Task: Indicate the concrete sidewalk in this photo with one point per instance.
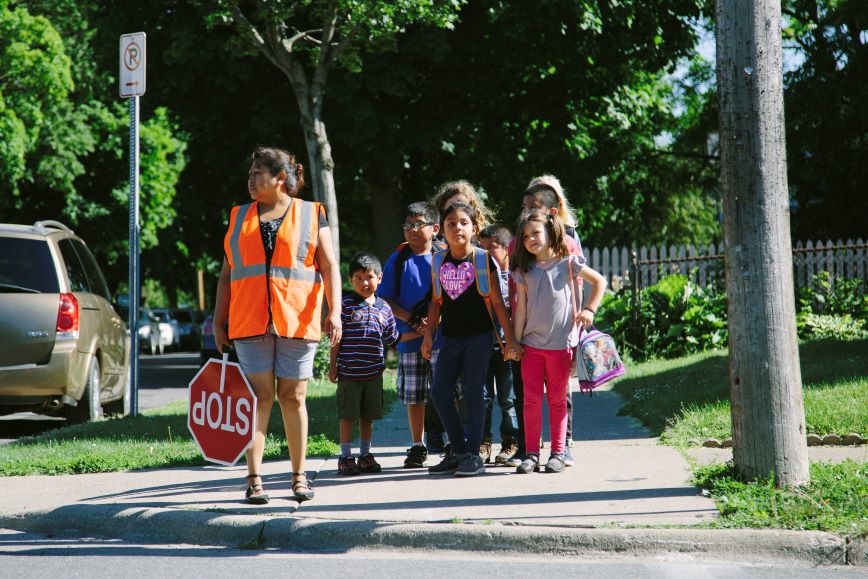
(622, 479)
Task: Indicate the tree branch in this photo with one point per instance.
(254, 34)
(686, 155)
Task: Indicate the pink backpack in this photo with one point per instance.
(597, 360)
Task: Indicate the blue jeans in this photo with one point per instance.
(499, 383)
(467, 357)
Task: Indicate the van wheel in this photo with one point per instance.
(121, 407)
(89, 407)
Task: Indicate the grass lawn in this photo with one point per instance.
(836, 499)
(159, 438)
(687, 399)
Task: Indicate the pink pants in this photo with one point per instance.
(549, 370)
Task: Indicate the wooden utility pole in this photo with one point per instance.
(765, 383)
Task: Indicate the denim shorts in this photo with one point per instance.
(289, 358)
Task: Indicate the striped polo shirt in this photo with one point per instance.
(367, 328)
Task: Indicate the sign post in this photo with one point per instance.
(221, 414)
(132, 86)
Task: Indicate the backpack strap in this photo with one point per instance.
(404, 252)
(483, 286)
(436, 264)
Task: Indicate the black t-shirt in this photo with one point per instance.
(463, 313)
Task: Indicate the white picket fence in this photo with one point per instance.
(704, 264)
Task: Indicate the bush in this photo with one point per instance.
(676, 316)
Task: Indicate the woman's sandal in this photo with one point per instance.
(255, 494)
(301, 487)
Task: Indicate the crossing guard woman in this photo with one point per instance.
(278, 263)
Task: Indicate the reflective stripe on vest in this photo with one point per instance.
(299, 272)
(290, 291)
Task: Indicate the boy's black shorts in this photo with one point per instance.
(360, 399)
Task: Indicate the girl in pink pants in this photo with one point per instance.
(545, 321)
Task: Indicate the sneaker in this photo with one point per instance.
(416, 457)
(368, 464)
(568, 457)
(556, 462)
(347, 466)
(529, 464)
(515, 459)
(471, 465)
(448, 465)
(485, 451)
(507, 449)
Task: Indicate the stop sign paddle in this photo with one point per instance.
(222, 412)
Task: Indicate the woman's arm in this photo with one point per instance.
(221, 308)
(331, 276)
(430, 328)
(598, 289)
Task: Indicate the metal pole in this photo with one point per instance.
(134, 256)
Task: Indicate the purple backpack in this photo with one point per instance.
(597, 360)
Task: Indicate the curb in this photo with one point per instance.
(322, 535)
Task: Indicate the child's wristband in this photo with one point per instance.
(592, 310)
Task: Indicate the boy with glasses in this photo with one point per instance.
(406, 287)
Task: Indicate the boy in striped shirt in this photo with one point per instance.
(357, 363)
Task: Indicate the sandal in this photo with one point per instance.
(301, 487)
(254, 494)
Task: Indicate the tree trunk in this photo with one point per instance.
(321, 164)
(768, 417)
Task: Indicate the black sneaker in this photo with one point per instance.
(448, 465)
(470, 465)
(416, 457)
(368, 464)
(485, 451)
(529, 464)
(556, 462)
(347, 466)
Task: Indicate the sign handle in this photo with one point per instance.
(223, 370)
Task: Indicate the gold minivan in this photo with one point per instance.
(64, 351)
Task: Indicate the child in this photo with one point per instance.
(546, 194)
(544, 320)
(495, 239)
(357, 363)
(455, 191)
(462, 292)
(406, 288)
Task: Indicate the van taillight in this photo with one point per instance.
(67, 317)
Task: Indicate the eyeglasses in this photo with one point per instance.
(416, 225)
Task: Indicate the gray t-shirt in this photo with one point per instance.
(550, 324)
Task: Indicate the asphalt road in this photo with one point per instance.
(33, 555)
(163, 379)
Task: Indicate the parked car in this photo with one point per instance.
(170, 337)
(150, 334)
(188, 327)
(63, 348)
(208, 347)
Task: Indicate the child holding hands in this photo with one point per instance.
(465, 280)
(545, 321)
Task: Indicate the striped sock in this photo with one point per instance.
(346, 448)
(364, 447)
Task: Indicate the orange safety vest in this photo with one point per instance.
(291, 291)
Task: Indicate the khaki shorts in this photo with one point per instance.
(360, 399)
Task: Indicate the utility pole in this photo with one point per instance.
(765, 383)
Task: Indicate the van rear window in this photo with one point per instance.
(26, 266)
